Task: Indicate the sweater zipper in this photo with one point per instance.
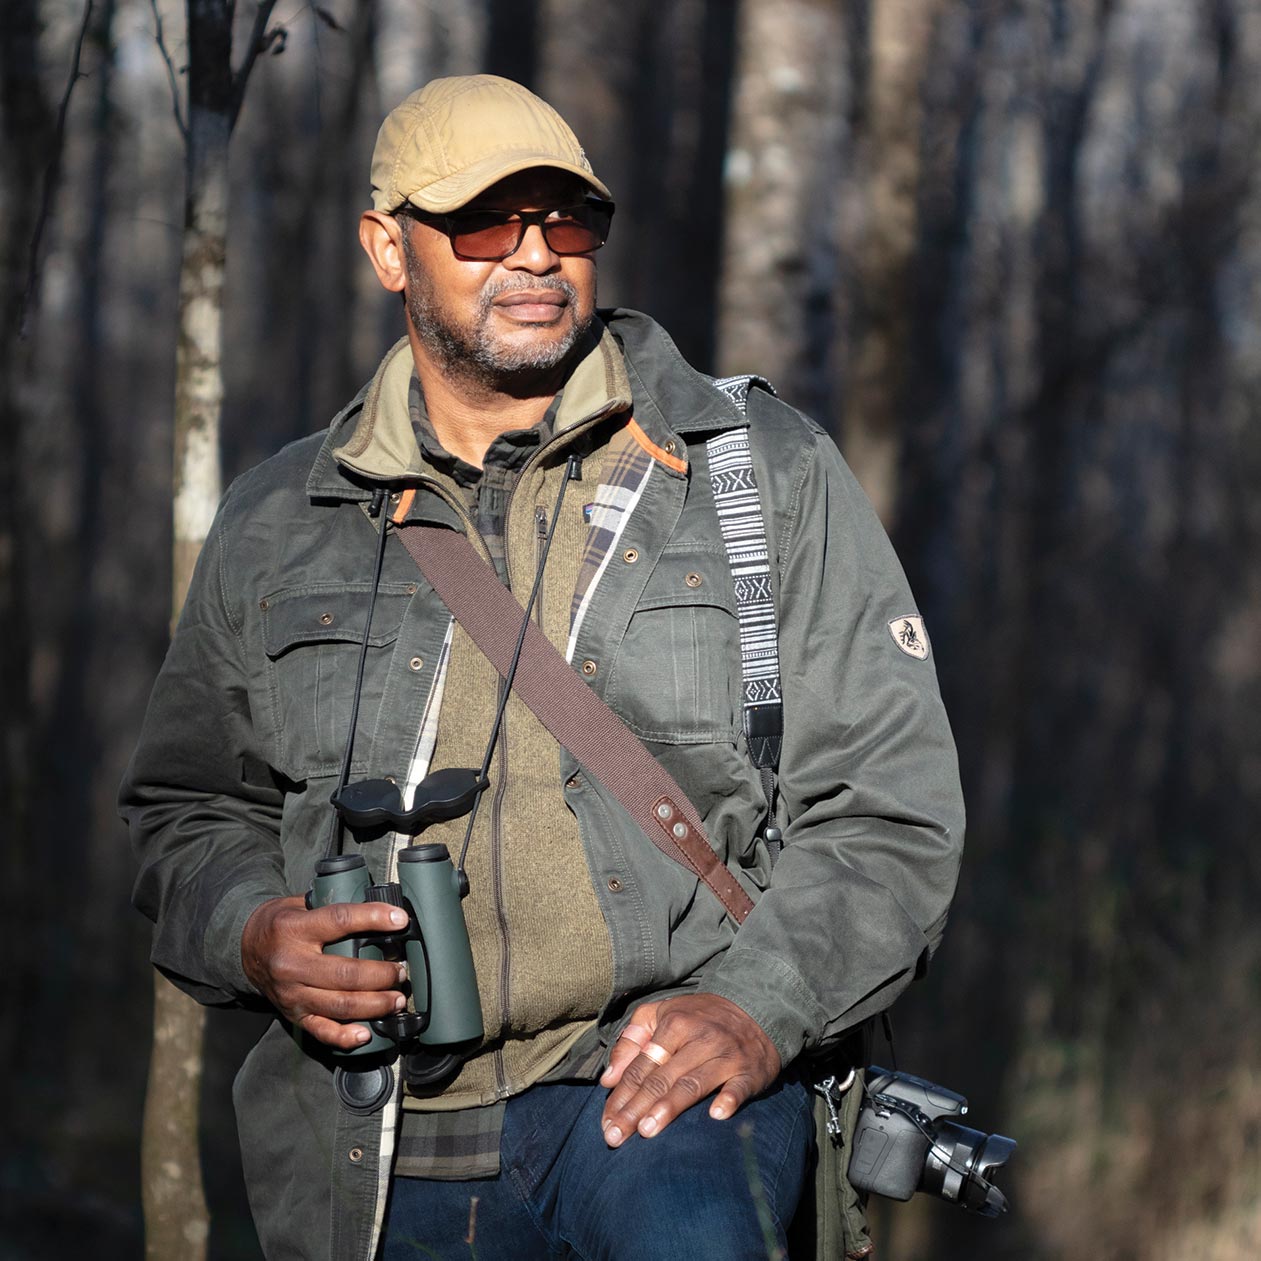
(540, 541)
(496, 835)
(496, 824)
(497, 890)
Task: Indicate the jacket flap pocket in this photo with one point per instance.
(695, 577)
(333, 614)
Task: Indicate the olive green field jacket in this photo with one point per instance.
(227, 794)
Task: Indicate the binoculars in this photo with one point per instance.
(434, 945)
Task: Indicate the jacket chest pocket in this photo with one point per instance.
(676, 675)
(312, 637)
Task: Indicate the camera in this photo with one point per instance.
(906, 1141)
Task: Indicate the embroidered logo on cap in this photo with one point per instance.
(909, 635)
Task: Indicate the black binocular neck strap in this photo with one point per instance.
(566, 705)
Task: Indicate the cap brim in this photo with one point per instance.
(454, 191)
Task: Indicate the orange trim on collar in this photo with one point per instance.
(657, 453)
(404, 505)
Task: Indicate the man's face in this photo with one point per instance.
(501, 323)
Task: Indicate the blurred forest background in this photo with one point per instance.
(1008, 251)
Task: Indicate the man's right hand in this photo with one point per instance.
(282, 952)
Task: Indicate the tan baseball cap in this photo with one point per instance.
(456, 137)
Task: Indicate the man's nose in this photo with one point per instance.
(533, 254)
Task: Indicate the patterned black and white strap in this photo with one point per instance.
(744, 535)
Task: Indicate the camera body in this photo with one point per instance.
(434, 945)
(906, 1140)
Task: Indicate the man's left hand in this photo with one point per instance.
(676, 1052)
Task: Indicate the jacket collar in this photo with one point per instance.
(665, 385)
(634, 364)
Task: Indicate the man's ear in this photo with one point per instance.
(382, 239)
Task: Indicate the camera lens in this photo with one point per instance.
(960, 1164)
(949, 1160)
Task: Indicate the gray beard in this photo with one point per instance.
(471, 354)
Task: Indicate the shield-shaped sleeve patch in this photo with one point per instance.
(909, 634)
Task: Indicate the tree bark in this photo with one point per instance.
(27, 124)
(177, 1224)
(879, 237)
(647, 88)
(783, 179)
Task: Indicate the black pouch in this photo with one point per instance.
(840, 1209)
(831, 1220)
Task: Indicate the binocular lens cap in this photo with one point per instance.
(363, 1092)
(336, 865)
(431, 853)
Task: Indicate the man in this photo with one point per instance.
(626, 1020)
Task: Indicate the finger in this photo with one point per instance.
(646, 1084)
(733, 1096)
(344, 1037)
(626, 1055)
(661, 1093)
(347, 919)
(340, 972)
(633, 1065)
(342, 1006)
(633, 1038)
(688, 1090)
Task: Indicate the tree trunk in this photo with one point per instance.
(27, 127)
(783, 180)
(879, 235)
(177, 1224)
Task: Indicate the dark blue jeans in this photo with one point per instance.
(700, 1190)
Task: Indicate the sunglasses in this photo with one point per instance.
(489, 236)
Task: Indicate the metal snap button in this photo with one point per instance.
(680, 830)
(693, 580)
(630, 555)
(416, 663)
(572, 782)
(326, 619)
(589, 668)
(615, 885)
(262, 604)
(669, 447)
(355, 1154)
(411, 588)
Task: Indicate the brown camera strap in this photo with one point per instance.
(566, 705)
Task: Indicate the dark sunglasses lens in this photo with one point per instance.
(485, 237)
(572, 238)
(579, 229)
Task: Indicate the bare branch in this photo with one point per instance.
(52, 177)
(170, 71)
(261, 39)
(328, 19)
